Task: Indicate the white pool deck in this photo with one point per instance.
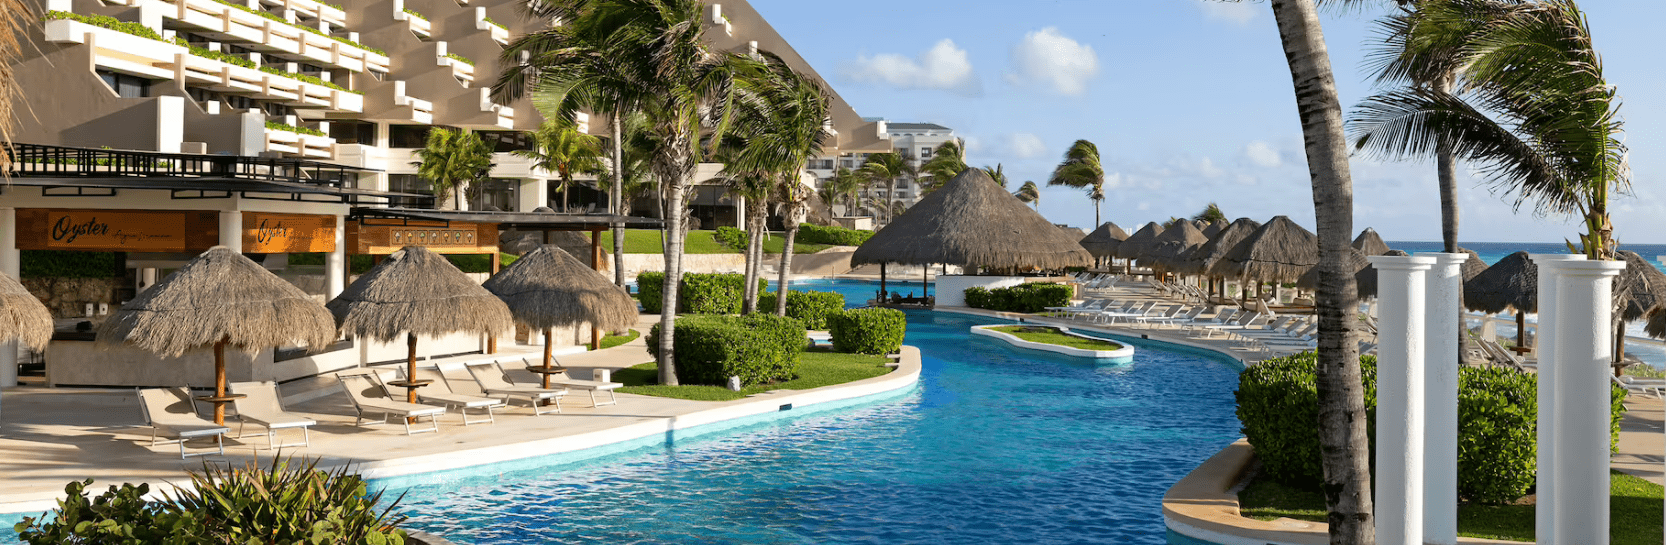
(49, 437)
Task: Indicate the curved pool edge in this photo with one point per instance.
(1120, 355)
(1146, 337)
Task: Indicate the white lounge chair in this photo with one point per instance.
(262, 405)
(439, 392)
(1632, 384)
(564, 380)
(171, 412)
(370, 398)
(494, 381)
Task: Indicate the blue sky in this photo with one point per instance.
(1189, 102)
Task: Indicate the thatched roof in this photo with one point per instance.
(550, 288)
(1075, 233)
(1279, 251)
(1369, 243)
(1366, 279)
(1103, 242)
(1137, 244)
(971, 221)
(417, 291)
(22, 316)
(1511, 283)
(1355, 261)
(1472, 266)
(1201, 259)
(219, 295)
(1215, 228)
(1168, 250)
(1640, 287)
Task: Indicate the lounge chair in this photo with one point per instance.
(593, 386)
(262, 405)
(1183, 317)
(370, 398)
(1632, 384)
(494, 381)
(171, 412)
(440, 392)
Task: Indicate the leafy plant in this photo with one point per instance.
(489, 21)
(66, 264)
(731, 237)
(112, 23)
(306, 78)
(221, 56)
(758, 348)
(1026, 298)
(459, 58)
(276, 126)
(867, 330)
(120, 515)
(811, 307)
(413, 13)
(835, 235)
(289, 503)
(713, 293)
(1497, 411)
(650, 290)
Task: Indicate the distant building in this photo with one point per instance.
(915, 142)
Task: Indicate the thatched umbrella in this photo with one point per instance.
(1510, 284)
(1168, 250)
(549, 288)
(217, 299)
(1356, 264)
(1279, 251)
(1075, 233)
(1370, 243)
(417, 292)
(1366, 279)
(972, 222)
(1215, 228)
(1639, 288)
(1138, 243)
(1200, 260)
(1102, 242)
(22, 317)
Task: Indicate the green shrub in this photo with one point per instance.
(66, 264)
(1026, 298)
(810, 307)
(112, 23)
(480, 263)
(120, 515)
(650, 290)
(1496, 419)
(413, 13)
(731, 237)
(700, 293)
(835, 235)
(276, 126)
(978, 297)
(758, 348)
(460, 58)
(867, 330)
(1278, 405)
(221, 56)
(308, 79)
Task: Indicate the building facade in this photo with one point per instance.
(915, 142)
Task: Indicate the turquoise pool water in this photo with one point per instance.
(997, 444)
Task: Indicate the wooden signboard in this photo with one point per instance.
(456, 238)
(117, 230)
(265, 233)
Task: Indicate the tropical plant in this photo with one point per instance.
(1082, 169)
(997, 174)
(450, 160)
(1030, 193)
(559, 147)
(946, 162)
(844, 186)
(1211, 214)
(887, 168)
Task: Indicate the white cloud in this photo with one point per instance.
(1025, 145)
(944, 67)
(972, 144)
(1236, 12)
(1055, 61)
(1262, 154)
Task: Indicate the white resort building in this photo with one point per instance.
(915, 142)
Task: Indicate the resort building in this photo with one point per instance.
(915, 142)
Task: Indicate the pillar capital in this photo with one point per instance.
(1548, 259)
(1591, 268)
(1442, 258)
(1401, 262)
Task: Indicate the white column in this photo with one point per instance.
(335, 263)
(1400, 352)
(1545, 511)
(535, 192)
(1440, 386)
(1584, 350)
(11, 264)
(231, 230)
(147, 278)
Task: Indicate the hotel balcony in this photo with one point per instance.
(362, 156)
(500, 34)
(418, 25)
(298, 144)
(211, 18)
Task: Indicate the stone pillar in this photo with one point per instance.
(11, 264)
(1400, 397)
(1584, 350)
(1440, 388)
(335, 263)
(1545, 512)
(231, 230)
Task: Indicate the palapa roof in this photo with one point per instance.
(1281, 250)
(1136, 244)
(417, 291)
(22, 316)
(219, 295)
(1355, 261)
(1370, 243)
(1365, 279)
(971, 221)
(547, 288)
(1200, 260)
(1472, 266)
(1641, 287)
(1103, 242)
(1215, 228)
(1168, 250)
(1075, 233)
(1511, 283)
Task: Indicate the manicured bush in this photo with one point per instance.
(1026, 298)
(700, 293)
(731, 237)
(867, 330)
(835, 235)
(650, 291)
(1496, 437)
(758, 348)
(1278, 405)
(66, 264)
(810, 307)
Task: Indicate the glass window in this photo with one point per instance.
(124, 85)
(507, 141)
(493, 194)
(353, 132)
(925, 152)
(410, 183)
(408, 136)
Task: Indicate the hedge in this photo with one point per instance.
(810, 307)
(731, 237)
(837, 236)
(1026, 298)
(758, 348)
(867, 330)
(701, 293)
(66, 264)
(1278, 405)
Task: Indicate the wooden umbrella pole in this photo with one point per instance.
(1521, 329)
(220, 382)
(882, 292)
(548, 356)
(410, 367)
(595, 265)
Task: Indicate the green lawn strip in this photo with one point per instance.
(817, 367)
(647, 241)
(1047, 335)
(611, 341)
(1634, 511)
(777, 241)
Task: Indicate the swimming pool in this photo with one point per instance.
(997, 443)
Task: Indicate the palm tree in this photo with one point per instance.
(887, 167)
(842, 186)
(559, 147)
(996, 174)
(1081, 169)
(450, 160)
(947, 160)
(1211, 214)
(1030, 193)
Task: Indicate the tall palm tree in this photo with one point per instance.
(842, 186)
(888, 167)
(1030, 193)
(947, 160)
(1211, 214)
(559, 147)
(450, 160)
(1081, 169)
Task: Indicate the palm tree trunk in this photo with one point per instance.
(754, 259)
(786, 264)
(677, 185)
(1345, 450)
(1096, 222)
(566, 194)
(618, 201)
(1447, 170)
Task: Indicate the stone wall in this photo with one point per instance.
(68, 297)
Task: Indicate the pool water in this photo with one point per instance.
(996, 444)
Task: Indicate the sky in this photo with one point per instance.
(1189, 102)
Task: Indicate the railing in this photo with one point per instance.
(36, 160)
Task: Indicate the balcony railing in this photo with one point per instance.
(297, 144)
(268, 35)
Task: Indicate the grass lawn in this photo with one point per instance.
(647, 241)
(611, 341)
(1048, 335)
(1634, 511)
(818, 367)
